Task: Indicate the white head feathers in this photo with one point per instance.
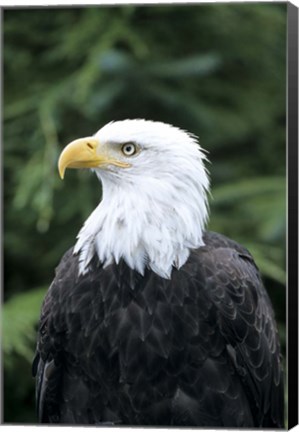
(153, 212)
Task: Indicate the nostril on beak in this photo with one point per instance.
(90, 145)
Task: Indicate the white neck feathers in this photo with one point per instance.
(150, 218)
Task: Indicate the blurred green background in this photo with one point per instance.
(215, 70)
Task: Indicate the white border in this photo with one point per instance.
(53, 3)
(37, 428)
(20, 3)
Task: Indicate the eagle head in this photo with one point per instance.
(154, 204)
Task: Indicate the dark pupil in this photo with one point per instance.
(129, 149)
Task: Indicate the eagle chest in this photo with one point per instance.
(131, 329)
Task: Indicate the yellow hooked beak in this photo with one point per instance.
(86, 153)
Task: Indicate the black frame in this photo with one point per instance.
(292, 139)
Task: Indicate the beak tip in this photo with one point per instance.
(61, 171)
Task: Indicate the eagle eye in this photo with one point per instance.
(129, 149)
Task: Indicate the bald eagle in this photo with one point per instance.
(151, 319)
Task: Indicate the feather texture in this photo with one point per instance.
(200, 349)
(154, 212)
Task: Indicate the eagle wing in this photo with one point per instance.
(47, 365)
(244, 317)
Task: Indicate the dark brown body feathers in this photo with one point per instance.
(201, 349)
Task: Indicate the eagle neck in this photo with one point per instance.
(141, 225)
